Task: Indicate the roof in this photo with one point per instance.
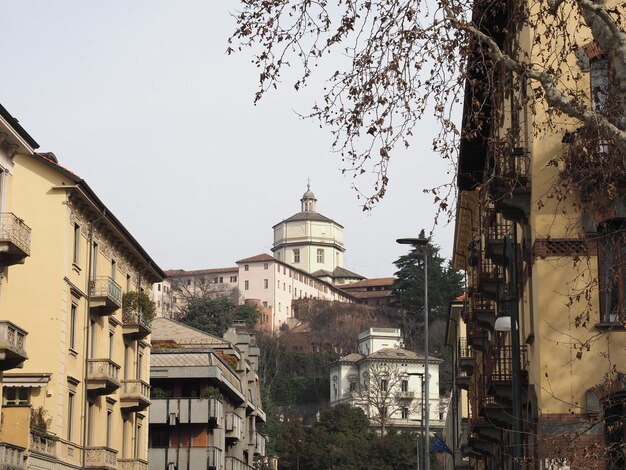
(50, 161)
(395, 353)
(308, 215)
(165, 329)
(261, 257)
(354, 357)
(373, 282)
(15, 124)
(337, 273)
(371, 294)
(182, 359)
(197, 272)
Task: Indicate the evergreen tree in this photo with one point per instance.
(214, 315)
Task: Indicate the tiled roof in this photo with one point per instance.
(198, 272)
(164, 329)
(378, 281)
(354, 357)
(172, 359)
(261, 257)
(371, 294)
(343, 272)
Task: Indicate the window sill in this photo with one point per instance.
(604, 326)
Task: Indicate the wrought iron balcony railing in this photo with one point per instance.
(106, 295)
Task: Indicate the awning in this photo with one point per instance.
(25, 380)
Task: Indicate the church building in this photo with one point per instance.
(313, 243)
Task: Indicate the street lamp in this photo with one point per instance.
(424, 243)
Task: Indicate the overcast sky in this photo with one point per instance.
(140, 99)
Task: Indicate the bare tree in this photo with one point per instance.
(185, 289)
(384, 395)
(409, 60)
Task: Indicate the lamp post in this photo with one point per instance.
(423, 242)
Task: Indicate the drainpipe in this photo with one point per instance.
(511, 247)
(87, 330)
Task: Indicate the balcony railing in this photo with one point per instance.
(187, 410)
(12, 345)
(235, 464)
(100, 458)
(14, 239)
(106, 295)
(406, 395)
(136, 325)
(132, 464)
(11, 457)
(215, 457)
(44, 444)
(234, 426)
(135, 395)
(501, 361)
(260, 444)
(102, 376)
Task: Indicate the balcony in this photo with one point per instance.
(234, 426)
(466, 356)
(132, 464)
(483, 311)
(102, 376)
(14, 239)
(106, 295)
(477, 338)
(101, 458)
(135, 395)
(405, 395)
(12, 345)
(259, 448)
(235, 464)
(494, 241)
(510, 188)
(500, 372)
(11, 457)
(489, 278)
(136, 326)
(160, 458)
(43, 444)
(187, 410)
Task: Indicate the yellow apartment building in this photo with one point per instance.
(81, 398)
(540, 340)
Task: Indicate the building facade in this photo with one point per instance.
(387, 382)
(206, 401)
(543, 320)
(80, 399)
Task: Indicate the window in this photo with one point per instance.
(113, 269)
(612, 260)
(159, 287)
(109, 426)
(246, 285)
(296, 255)
(265, 303)
(111, 343)
(266, 266)
(233, 278)
(221, 280)
(405, 385)
(353, 385)
(320, 255)
(215, 280)
(383, 412)
(16, 396)
(405, 413)
(279, 306)
(284, 286)
(70, 414)
(76, 258)
(128, 283)
(383, 385)
(246, 267)
(94, 260)
(188, 282)
(266, 283)
(73, 310)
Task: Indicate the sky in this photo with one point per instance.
(140, 99)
